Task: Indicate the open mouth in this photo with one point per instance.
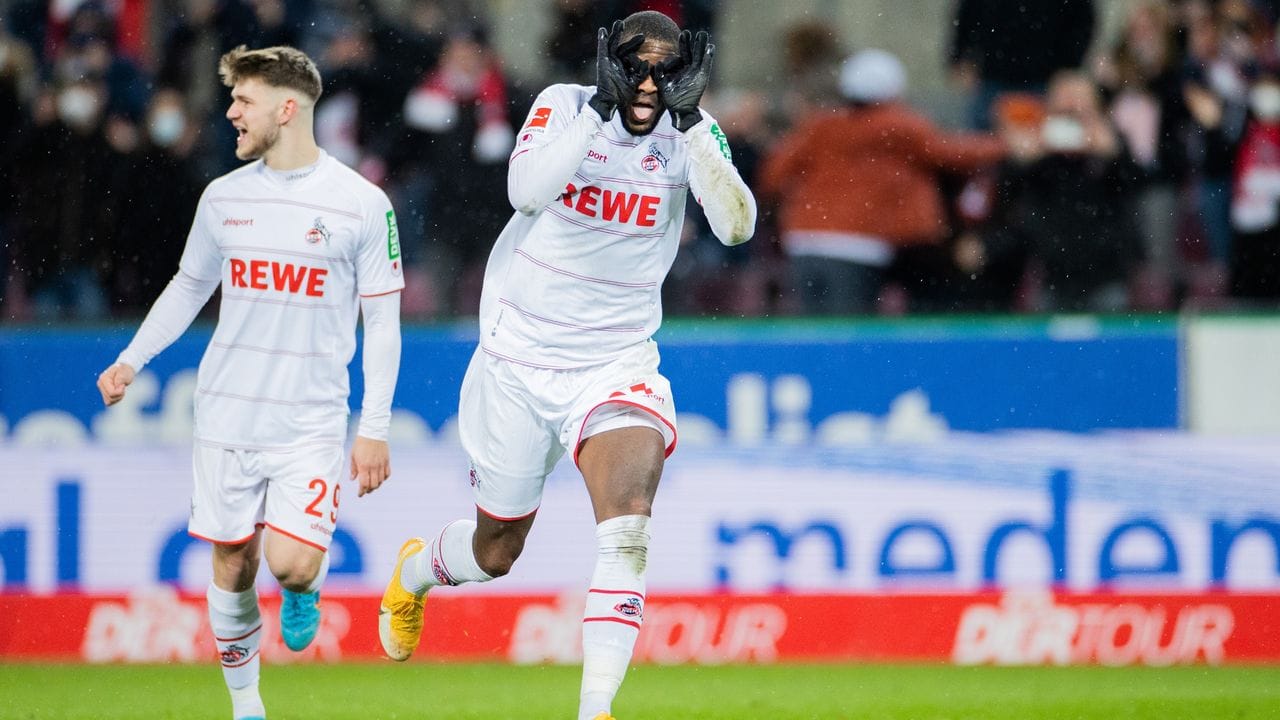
(642, 112)
(241, 134)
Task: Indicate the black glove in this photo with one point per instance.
(682, 79)
(618, 71)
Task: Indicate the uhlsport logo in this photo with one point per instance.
(631, 607)
(318, 232)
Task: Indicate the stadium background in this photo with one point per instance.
(996, 489)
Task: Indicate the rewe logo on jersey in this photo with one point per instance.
(614, 205)
(278, 276)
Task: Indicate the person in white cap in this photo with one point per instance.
(857, 184)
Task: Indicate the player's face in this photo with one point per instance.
(255, 113)
(642, 114)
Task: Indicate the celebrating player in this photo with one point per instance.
(300, 244)
(566, 363)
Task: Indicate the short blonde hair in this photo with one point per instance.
(280, 66)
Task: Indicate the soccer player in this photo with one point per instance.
(566, 360)
(300, 244)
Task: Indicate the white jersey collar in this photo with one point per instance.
(295, 177)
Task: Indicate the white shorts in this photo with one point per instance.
(294, 493)
(516, 422)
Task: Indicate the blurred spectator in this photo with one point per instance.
(571, 47)
(1074, 200)
(1221, 55)
(1143, 75)
(201, 33)
(856, 184)
(1003, 46)
(1255, 211)
(461, 134)
(17, 89)
(811, 57)
(157, 189)
(95, 55)
(64, 229)
(985, 267)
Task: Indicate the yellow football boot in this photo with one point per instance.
(400, 616)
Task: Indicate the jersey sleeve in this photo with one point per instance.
(202, 258)
(379, 267)
(726, 200)
(550, 148)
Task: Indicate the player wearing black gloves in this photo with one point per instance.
(645, 75)
(682, 79)
(566, 366)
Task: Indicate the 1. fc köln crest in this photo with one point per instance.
(318, 232)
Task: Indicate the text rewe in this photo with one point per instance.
(278, 276)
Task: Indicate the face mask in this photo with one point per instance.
(1265, 102)
(77, 106)
(166, 127)
(1062, 133)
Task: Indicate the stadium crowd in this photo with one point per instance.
(1139, 172)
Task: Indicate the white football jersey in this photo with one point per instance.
(294, 251)
(579, 281)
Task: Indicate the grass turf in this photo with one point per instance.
(784, 692)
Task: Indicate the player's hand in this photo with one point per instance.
(618, 71)
(682, 79)
(370, 464)
(113, 381)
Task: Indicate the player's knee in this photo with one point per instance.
(295, 575)
(497, 556)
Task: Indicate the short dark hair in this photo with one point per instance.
(280, 66)
(655, 27)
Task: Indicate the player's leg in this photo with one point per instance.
(237, 623)
(623, 433)
(301, 513)
(511, 450)
(621, 468)
(300, 568)
(226, 509)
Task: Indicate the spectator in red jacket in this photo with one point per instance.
(857, 183)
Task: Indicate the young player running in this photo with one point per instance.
(566, 363)
(299, 244)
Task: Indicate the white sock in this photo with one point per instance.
(448, 559)
(614, 611)
(237, 631)
(321, 574)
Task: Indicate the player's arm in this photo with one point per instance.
(727, 201)
(199, 273)
(538, 172)
(559, 136)
(370, 454)
(379, 280)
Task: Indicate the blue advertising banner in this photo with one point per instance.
(749, 382)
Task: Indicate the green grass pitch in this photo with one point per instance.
(783, 692)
